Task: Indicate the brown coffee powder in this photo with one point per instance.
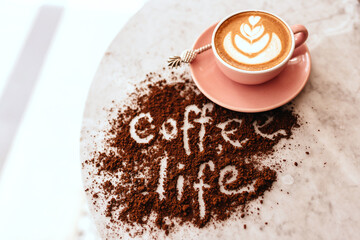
(176, 155)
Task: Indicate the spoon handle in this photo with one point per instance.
(186, 56)
(203, 48)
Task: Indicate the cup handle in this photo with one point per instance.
(300, 34)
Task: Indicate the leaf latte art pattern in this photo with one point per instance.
(253, 44)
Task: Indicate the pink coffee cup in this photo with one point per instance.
(299, 35)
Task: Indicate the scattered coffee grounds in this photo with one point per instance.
(175, 155)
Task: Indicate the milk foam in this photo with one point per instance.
(254, 45)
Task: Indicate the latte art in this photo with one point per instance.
(253, 45)
(253, 41)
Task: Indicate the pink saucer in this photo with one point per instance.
(245, 98)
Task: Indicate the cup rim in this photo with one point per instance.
(255, 71)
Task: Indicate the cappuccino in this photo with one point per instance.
(253, 41)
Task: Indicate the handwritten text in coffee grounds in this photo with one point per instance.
(183, 159)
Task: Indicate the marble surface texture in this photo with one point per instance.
(324, 190)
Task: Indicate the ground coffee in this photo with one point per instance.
(175, 155)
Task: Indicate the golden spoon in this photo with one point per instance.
(186, 56)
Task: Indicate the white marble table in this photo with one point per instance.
(323, 200)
